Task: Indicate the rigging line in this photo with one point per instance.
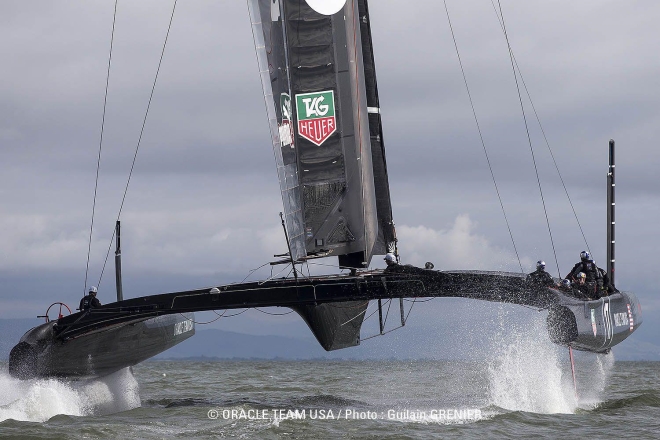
(354, 317)
(98, 160)
(483, 143)
(529, 138)
(273, 314)
(371, 314)
(381, 334)
(235, 314)
(293, 268)
(203, 323)
(273, 276)
(547, 143)
(419, 300)
(253, 271)
(415, 301)
(282, 271)
(411, 307)
(391, 330)
(389, 304)
(137, 147)
(335, 266)
(353, 306)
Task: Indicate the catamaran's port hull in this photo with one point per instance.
(98, 352)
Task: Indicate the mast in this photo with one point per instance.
(610, 214)
(120, 294)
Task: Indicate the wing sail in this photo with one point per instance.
(328, 146)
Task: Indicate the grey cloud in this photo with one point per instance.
(206, 152)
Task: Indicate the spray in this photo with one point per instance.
(527, 372)
(38, 400)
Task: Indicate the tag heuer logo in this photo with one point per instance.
(316, 116)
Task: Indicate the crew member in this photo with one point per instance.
(574, 289)
(390, 260)
(587, 290)
(594, 277)
(608, 287)
(540, 277)
(565, 285)
(90, 301)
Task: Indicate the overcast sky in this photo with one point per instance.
(203, 204)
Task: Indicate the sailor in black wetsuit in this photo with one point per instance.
(577, 290)
(607, 283)
(587, 292)
(392, 264)
(540, 277)
(594, 277)
(89, 301)
(565, 286)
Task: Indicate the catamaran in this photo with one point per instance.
(317, 69)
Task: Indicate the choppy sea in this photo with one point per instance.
(525, 389)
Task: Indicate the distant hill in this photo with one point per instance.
(221, 344)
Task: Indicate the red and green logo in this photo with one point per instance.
(316, 116)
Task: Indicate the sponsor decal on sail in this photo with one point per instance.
(286, 128)
(316, 116)
(275, 10)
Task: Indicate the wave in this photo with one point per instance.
(647, 398)
(181, 402)
(326, 400)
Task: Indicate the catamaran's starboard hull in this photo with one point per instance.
(594, 326)
(98, 352)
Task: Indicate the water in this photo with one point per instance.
(523, 389)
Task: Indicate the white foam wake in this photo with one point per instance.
(39, 400)
(527, 372)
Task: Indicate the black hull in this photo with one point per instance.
(594, 326)
(120, 334)
(97, 352)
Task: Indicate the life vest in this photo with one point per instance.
(86, 302)
(590, 270)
